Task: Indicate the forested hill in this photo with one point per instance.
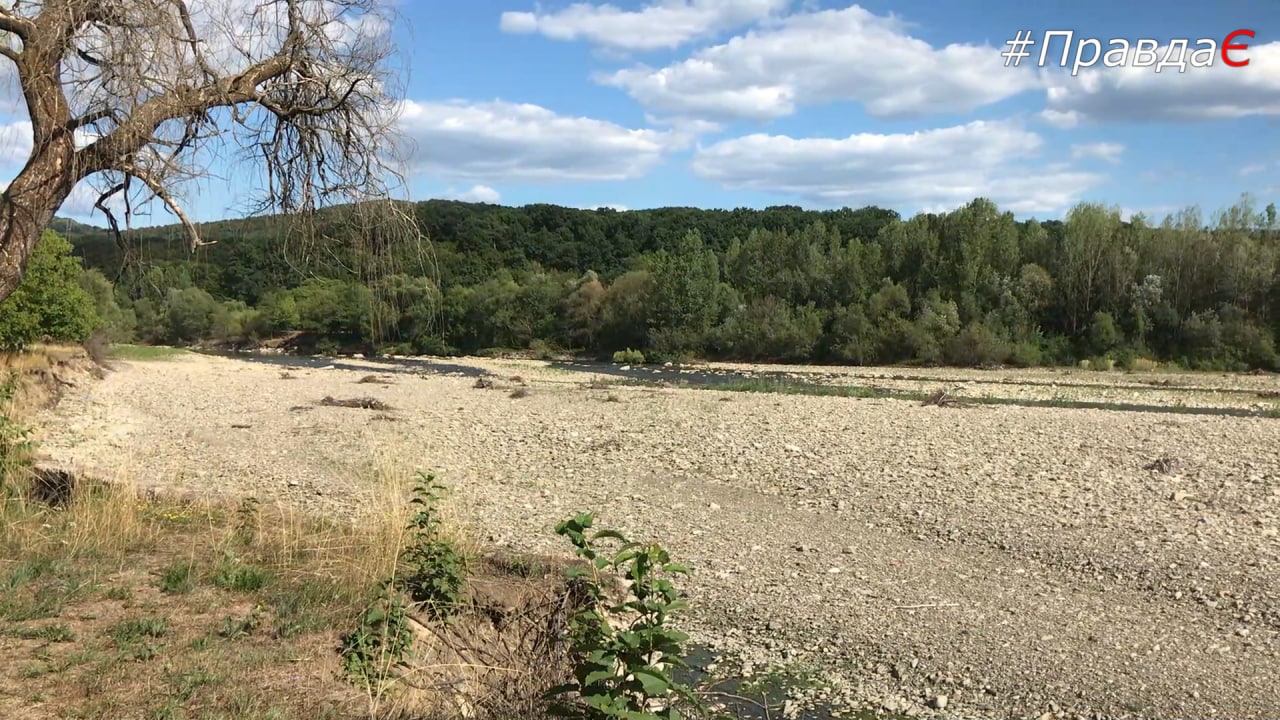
(970, 286)
(490, 236)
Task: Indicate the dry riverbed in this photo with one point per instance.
(986, 560)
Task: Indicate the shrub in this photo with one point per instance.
(1026, 354)
(435, 569)
(622, 672)
(976, 344)
(629, 357)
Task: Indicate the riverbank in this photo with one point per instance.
(1012, 560)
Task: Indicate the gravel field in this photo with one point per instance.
(983, 561)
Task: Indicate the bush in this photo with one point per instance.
(1026, 354)
(49, 302)
(976, 344)
(1104, 336)
(629, 357)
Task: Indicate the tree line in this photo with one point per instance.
(973, 286)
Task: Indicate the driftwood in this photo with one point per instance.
(366, 403)
(943, 398)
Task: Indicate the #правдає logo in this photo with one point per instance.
(1083, 53)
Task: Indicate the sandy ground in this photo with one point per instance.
(1019, 561)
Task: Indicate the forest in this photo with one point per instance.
(971, 287)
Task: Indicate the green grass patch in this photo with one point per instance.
(179, 578)
(145, 352)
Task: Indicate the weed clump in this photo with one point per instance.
(622, 650)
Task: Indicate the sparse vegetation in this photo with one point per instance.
(301, 576)
(143, 353)
(622, 650)
(435, 569)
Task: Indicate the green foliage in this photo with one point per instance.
(622, 650)
(235, 575)
(433, 576)
(973, 285)
(629, 357)
(436, 571)
(49, 302)
(381, 639)
(179, 578)
(1104, 336)
(116, 323)
(682, 306)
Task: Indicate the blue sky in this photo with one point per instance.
(908, 105)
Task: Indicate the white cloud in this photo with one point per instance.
(1105, 151)
(817, 57)
(660, 25)
(15, 142)
(509, 142)
(1252, 169)
(1063, 119)
(1129, 94)
(941, 168)
(478, 193)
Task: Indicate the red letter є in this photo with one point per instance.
(1228, 47)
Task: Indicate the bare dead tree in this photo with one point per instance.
(136, 96)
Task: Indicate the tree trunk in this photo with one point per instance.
(28, 206)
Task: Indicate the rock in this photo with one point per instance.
(1180, 495)
(939, 702)
(792, 448)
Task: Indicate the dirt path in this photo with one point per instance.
(1019, 561)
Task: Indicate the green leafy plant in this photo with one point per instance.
(435, 569)
(381, 640)
(622, 650)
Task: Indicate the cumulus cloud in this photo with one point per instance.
(660, 25)
(832, 55)
(15, 142)
(1105, 151)
(1135, 94)
(510, 142)
(927, 170)
(478, 193)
